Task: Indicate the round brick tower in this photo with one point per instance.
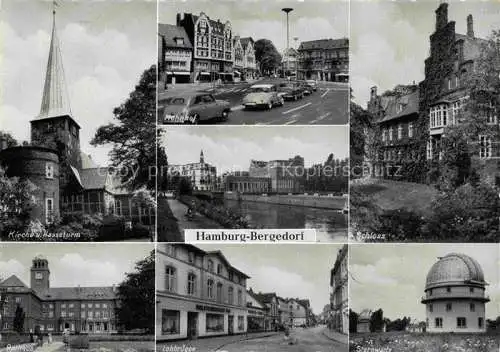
(40, 166)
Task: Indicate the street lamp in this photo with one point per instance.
(287, 10)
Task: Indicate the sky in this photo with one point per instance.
(310, 19)
(230, 148)
(73, 264)
(105, 48)
(292, 271)
(392, 276)
(389, 40)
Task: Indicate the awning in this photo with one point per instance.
(182, 73)
(342, 74)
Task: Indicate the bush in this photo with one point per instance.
(79, 341)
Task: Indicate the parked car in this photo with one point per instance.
(195, 107)
(263, 95)
(308, 90)
(290, 91)
(313, 84)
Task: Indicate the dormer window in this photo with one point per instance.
(179, 41)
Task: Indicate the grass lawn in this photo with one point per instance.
(402, 342)
(390, 195)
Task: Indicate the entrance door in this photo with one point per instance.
(230, 323)
(192, 329)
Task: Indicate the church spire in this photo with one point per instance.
(55, 100)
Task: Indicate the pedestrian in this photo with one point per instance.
(49, 338)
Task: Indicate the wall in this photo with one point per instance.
(336, 203)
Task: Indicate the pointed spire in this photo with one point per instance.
(202, 158)
(55, 100)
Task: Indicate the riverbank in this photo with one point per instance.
(322, 202)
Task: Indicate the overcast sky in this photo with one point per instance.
(232, 147)
(392, 276)
(74, 264)
(390, 40)
(292, 271)
(310, 19)
(105, 47)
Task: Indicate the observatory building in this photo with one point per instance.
(455, 295)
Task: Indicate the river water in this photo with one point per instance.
(330, 225)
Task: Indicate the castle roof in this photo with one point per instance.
(55, 99)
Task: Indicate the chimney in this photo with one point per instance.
(441, 16)
(470, 26)
(179, 19)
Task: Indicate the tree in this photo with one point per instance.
(16, 202)
(7, 137)
(133, 136)
(19, 319)
(267, 55)
(353, 321)
(136, 295)
(377, 321)
(362, 147)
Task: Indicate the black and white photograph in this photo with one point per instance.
(77, 131)
(414, 297)
(252, 298)
(65, 297)
(253, 62)
(424, 121)
(224, 177)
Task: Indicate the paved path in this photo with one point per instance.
(53, 347)
(199, 221)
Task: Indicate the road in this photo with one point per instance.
(327, 106)
(302, 340)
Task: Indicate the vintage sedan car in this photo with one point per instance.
(290, 91)
(313, 84)
(306, 88)
(262, 95)
(193, 108)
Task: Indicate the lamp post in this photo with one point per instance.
(287, 10)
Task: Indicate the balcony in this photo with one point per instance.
(454, 296)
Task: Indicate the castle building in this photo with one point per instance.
(54, 309)
(455, 296)
(212, 47)
(199, 294)
(339, 299)
(324, 60)
(67, 180)
(202, 175)
(445, 92)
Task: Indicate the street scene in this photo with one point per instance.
(425, 129)
(58, 298)
(244, 68)
(410, 297)
(269, 304)
(254, 178)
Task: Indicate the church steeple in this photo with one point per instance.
(55, 100)
(202, 158)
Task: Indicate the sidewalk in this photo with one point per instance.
(336, 336)
(212, 344)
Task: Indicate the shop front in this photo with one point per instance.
(187, 319)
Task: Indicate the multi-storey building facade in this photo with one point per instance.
(289, 62)
(270, 300)
(203, 176)
(445, 92)
(324, 60)
(258, 313)
(54, 309)
(284, 312)
(299, 312)
(339, 319)
(286, 176)
(249, 63)
(175, 54)
(212, 46)
(199, 293)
